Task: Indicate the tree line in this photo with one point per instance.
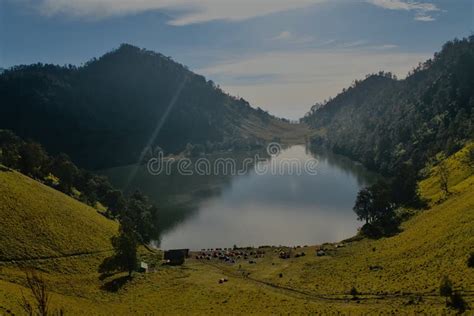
(136, 214)
(384, 122)
(377, 204)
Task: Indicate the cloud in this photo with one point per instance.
(385, 46)
(424, 18)
(421, 9)
(404, 5)
(287, 83)
(283, 36)
(353, 44)
(290, 38)
(183, 12)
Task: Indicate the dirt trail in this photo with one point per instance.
(78, 254)
(342, 297)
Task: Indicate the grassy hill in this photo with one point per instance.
(39, 222)
(400, 274)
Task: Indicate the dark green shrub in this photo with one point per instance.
(354, 293)
(470, 260)
(446, 288)
(457, 302)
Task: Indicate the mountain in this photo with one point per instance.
(108, 111)
(383, 122)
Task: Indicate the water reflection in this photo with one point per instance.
(222, 210)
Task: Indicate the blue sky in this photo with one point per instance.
(281, 55)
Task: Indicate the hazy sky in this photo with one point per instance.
(281, 55)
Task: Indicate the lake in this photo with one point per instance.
(283, 206)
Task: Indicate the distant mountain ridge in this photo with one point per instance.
(103, 113)
(384, 122)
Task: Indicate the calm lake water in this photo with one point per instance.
(254, 209)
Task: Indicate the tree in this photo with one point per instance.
(65, 170)
(9, 156)
(382, 205)
(89, 192)
(115, 202)
(363, 205)
(86, 184)
(443, 174)
(125, 251)
(446, 288)
(141, 215)
(405, 186)
(136, 226)
(33, 160)
(41, 297)
(373, 205)
(7, 137)
(102, 187)
(9, 144)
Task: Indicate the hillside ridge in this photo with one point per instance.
(110, 110)
(384, 122)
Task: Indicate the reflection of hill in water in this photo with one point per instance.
(178, 197)
(350, 167)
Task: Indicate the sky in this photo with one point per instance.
(280, 55)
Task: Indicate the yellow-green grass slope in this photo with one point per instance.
(40, 222)
(400, 274)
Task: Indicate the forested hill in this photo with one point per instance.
(383, 122)
(103, 113)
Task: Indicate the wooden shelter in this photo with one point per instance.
(176, 256)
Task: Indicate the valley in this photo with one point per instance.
(378, 219)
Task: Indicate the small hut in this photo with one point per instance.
(176, 256)
(143, 267)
